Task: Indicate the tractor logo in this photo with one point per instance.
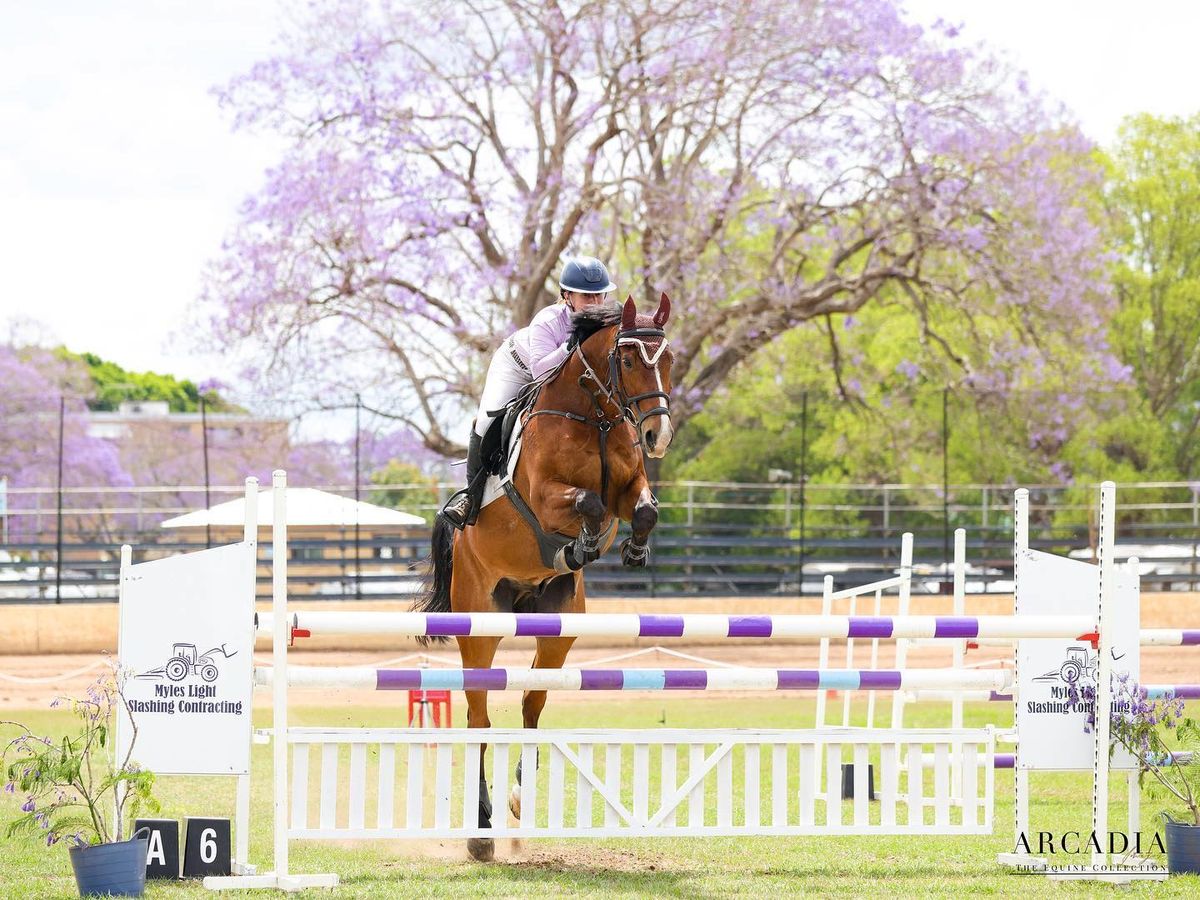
(1080, 665)
(186, 661)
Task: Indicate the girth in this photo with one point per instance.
(549, 544)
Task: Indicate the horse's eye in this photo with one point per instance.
(628, 362)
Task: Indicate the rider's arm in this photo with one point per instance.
(548, 333)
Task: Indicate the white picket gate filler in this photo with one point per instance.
(422, 783)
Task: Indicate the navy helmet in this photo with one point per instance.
(585, 275)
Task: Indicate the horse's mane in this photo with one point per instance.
(586, 322)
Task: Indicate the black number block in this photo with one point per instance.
(162, 853)
(207, 848)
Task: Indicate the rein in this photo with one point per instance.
(613, 391)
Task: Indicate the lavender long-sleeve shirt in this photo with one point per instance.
(542, 344)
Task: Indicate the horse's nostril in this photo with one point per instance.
(650, 437)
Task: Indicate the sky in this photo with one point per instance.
(120, 176)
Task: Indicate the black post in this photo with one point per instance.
(803, 483)
(357, 458)
(58, 554)
(207, 486)
(945, 484)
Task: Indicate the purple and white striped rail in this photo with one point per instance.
(305, 624)
(1170, 637)
(1148, 637)
(733, 679)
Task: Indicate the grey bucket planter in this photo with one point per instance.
(117, 870)
(1183, 847)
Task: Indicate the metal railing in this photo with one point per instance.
(713, 538)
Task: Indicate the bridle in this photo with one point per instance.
(613, 391)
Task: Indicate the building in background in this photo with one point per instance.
(148, 423)
(325, 556)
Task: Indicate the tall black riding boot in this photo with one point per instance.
(462, 509)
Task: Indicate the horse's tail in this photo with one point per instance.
(435, 594)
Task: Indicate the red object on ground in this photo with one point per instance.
(424, 705)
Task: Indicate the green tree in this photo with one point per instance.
(113, 385)
(412, 490)
(1155, 195)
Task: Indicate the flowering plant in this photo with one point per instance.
(1141, 724)
(72, 786)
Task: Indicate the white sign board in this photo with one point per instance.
(1050, 671)
(186, 645)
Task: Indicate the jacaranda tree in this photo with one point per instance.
(766, 163)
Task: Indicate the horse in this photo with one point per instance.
(580, 469)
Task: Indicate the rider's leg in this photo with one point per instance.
(463, 507)
(505, 379)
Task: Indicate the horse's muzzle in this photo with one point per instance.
(656, 436)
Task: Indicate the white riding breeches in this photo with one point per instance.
(505, 378)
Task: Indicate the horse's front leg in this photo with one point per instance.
(638, 507)
(564, 504)
(551, 654)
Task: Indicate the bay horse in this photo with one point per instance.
(580, 469)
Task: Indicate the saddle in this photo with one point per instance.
(497, 443)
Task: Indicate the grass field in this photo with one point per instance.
(691, 868)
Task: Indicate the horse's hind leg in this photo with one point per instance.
(551, 654)
(478, 653)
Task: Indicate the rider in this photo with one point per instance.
(526, 356)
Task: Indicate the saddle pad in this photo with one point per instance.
(494, 488)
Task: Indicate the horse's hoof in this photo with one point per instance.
(481, 849)
(514, 802)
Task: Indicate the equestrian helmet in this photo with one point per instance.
(585, 275)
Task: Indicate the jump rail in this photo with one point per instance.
(734, 679)
(1148, 637)
(306, 624)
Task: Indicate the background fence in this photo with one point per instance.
(713, 538)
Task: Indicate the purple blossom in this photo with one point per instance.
(212, 385)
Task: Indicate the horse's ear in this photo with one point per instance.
(628, 314)
(664, 310)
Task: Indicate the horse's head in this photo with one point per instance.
(632, 350)
(640, 374)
